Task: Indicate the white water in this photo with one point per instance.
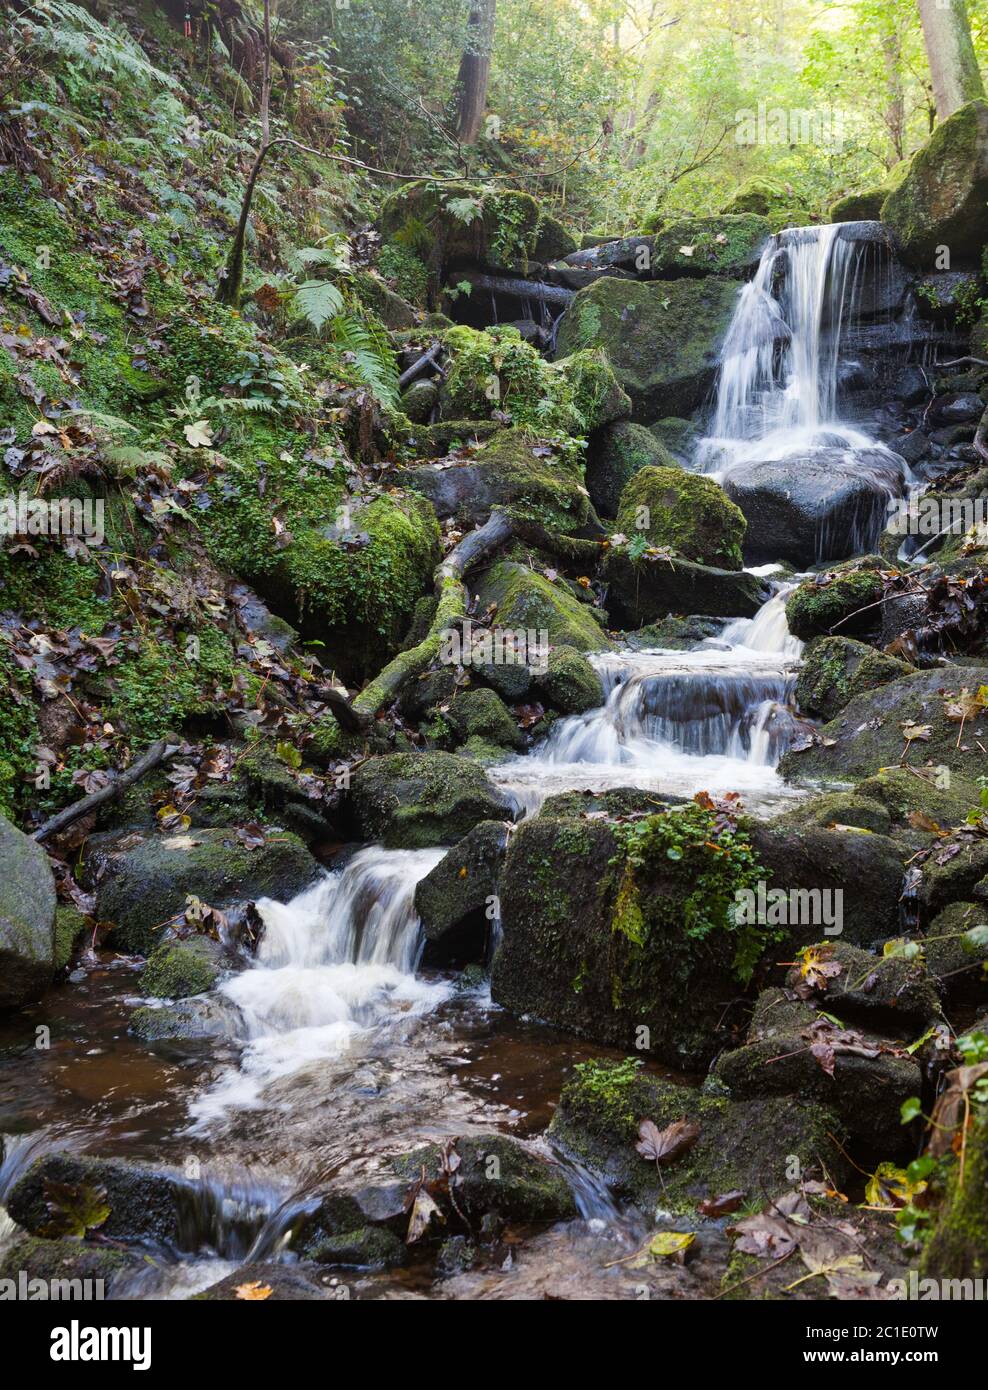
(336, 962)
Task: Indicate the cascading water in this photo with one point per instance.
(335, 962)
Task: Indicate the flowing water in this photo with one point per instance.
(340, 1050)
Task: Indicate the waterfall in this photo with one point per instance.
(336, 961)
(779, 373)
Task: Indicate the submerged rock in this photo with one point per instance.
(414, 800)
(500, 1175)
(27, 918)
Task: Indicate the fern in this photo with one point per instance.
(374, 362)
(72, 34)
(54, 113)
(318, 301)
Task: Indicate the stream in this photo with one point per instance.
(340, 1051)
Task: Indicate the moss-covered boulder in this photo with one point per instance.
(942, 199)
(616, 454)
(650, 588)
(958, 1245)
(515, 469)
(528, 601)
(954, 956)
(835, 669)
(680, 437)
(178, 969)
(419, 400)
(144, 886)
(870, 1080)
(454, 899)
(871, 730)
(598, 396)
(480, 714)
(27, 917)
(742, 1146)
(569, 683)
(724, 245)
(769, 199)
(193, 1021)
(686, 513)
(866, 205)
(415, 800)
(625, 940)
(847, 598)
(144, 1203)
(947, 799)
(499, 1175)
(55, 1262)
(448, 225)
(882, 992)
(661, 337)
(497, 373)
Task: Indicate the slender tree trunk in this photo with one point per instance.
(895, 109)
(266, 78)
(953, 65)
(475, 70)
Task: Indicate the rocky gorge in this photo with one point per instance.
(421, 960)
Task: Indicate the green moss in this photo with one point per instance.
(941, 201)
(496, 370)
(724, 245)
(527, 600)
(69, 926)
(405, 271)
(770, 200)
(835, 669)
(686, 512)
(597, 394)
(816, 607)
(176, 970)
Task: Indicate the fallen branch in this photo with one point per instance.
(419, 366)
(518, 288)
(146, 763)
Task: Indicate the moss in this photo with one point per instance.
(497, 371)
(958, 1246)
(57, 1260)
(597, 394)
(69, 927)
(176, 970)
(570, 684)
(835, 669)
(767, 199)
(617, 453)
(480, 714)
(685, 512)
(866, 206)
(816, 607)
(941, 201)
(416, 800)
(724, 245)
(529, 601)
(404, 271)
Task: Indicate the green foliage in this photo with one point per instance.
(74, 37)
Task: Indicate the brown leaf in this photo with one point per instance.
(662, 1146)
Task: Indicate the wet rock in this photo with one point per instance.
(453, 898)
(616, 453)
(177, 969)
(743, 1145)
(960, 964)
(958, 1245)
(480, 714)
(498, 1175)
(941, 201)
(569, 684)
(456, 1255)
(885, 993)
(651, 589)
(946, 800)
(276, 1283)
(188, 1020)
(419, 400)
(616, 801)
(868, 733)
(367, 1248)
(531, 603)
(71, 1266)
(866, 1092)
(685, 513)
(840, 809)
(27, 918)
(845, 599)
(145, 1204)
(414, 800)
(662, 337)
(825, 505)
(835, 669)
(142, 887)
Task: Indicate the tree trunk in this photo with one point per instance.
(266, 78)
(475, 70)
(895, 108)
(953, 66)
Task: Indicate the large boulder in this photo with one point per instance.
(598, 397)
(143, 886)
(870, 731)
(769, 199)
(27, 917)
(514, 469)
(824, 505)
(741, 1146)
(662, 337)
(616, 453)
(525, 600)
(725, 245)
(644, 590)
(415, 800)
(941, 201)
(835, 669)
(686, 513)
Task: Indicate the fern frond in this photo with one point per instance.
(318, 301)
(69, 32)
(373, 359)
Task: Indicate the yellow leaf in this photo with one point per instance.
(253, 1293)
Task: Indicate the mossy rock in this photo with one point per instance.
(416, 800)
(57, 1262)
(598, 396)
(680, 437)
(497, 373)
(941, 201)
(867, 735)
(960, 966)
(177, 969)
(199, 1019)
(650, 589)
(848, 808)
(848, 598)
(662, 337)
(683, 512)
(866, 206)
(835, 669)
(480, 713)
(145, 1204)
(285, 1283)
(527, 601)
(367, 1248)
(569, 684)
(725, 245)
(453, 898)
(616, 802)
(419, 400)
(947, 799)
(27, 917)
(497, 1174)
(69, 927)
(145, 886)
(617, 453)
(884, 993)
(515, 469)
(958, 1246)
(770, 200)
(393, 311)
(742, 1145)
